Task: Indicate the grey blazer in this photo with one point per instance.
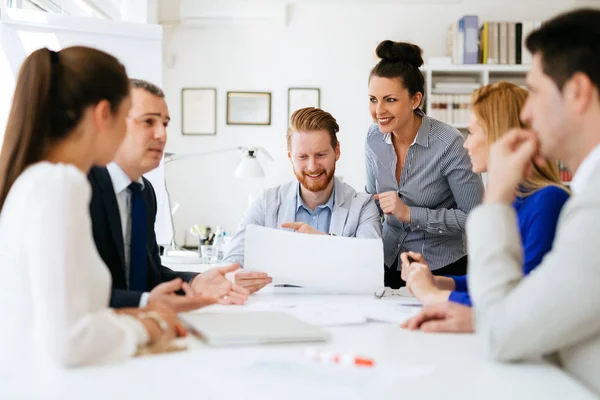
(354, 215)
(555, 310)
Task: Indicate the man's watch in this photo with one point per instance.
(154, 316)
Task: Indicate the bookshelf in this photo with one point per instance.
(470, 76)
(459, 81)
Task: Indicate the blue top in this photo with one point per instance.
(320, 218)
(538, 215)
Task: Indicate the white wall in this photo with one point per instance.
(24, 31)
(330, 46)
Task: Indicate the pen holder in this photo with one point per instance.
(206, 253)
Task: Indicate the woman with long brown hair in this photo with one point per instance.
(539, 198)
(68, 113)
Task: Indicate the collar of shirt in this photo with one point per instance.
(300, 202)
(422, 137)
(585, 170)
(119, 178)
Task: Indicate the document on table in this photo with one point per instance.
(395, 312)
(326, 312)
(319, 263)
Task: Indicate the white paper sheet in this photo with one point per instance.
(324, 311)
(329, 264)
(395, 312)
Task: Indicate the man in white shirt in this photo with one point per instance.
(123, 211)
(554, 310)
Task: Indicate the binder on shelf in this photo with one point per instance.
(528, 27)
(484, 43)
(519, 42)
(503, 42)
(493, 43)
(469, 26)
(512, 43)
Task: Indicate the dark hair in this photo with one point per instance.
(147, 87)
(569, 43)
(400, 60)
(313, 119)
(53, 91)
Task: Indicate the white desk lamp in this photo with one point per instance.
(248, 167)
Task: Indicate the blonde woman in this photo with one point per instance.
(539, 199)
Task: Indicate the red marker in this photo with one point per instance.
(339, 358)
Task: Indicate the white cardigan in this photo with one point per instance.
(55, 288)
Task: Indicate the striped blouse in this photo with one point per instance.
(436, 183)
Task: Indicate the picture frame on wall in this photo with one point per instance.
(199, 111)
(248, 108)
(303, 97)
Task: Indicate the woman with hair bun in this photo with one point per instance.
(417, 168)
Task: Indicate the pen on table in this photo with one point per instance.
(338, 358)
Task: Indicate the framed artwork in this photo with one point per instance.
(248, 108)
(303, 97)
(199, 111)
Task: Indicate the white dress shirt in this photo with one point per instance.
(584, 172)
(55, 288)
(121, 181)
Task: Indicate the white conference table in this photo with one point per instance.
(409, 365)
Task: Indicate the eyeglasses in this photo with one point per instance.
(389, 292)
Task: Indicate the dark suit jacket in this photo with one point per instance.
(108, 235)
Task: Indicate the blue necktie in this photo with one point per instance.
(137, 256)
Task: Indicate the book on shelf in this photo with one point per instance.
(519, 39)
(502, 43)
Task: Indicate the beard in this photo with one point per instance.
(315, 186)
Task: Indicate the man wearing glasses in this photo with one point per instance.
(123, 211)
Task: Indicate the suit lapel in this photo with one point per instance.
(150, 200)
(287, 209)
(339, 213)
(112, 212)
